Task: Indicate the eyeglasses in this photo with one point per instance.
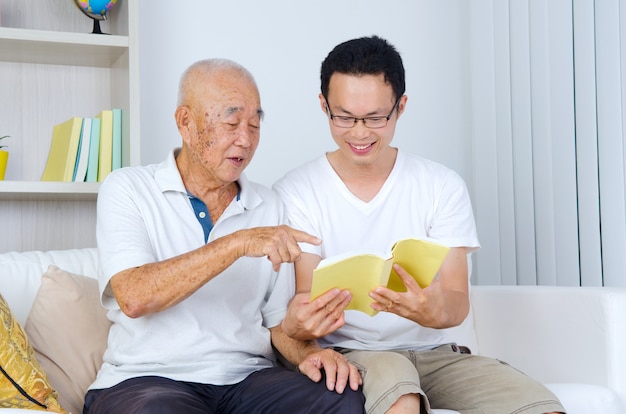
(373, 122)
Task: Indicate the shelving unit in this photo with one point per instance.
(60, 48)
(52, 68)
(35, 190)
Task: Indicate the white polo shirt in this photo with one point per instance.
(218, 335)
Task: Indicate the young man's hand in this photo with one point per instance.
(306, 320)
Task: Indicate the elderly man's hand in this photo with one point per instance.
(339, 372)
(278, 243)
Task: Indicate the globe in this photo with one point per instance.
(95, 9)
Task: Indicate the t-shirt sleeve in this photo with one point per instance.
(453, 223)
(292, 194)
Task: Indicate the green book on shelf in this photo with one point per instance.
(116, 156)
(94, 151)
(63, 151)
(105, 158)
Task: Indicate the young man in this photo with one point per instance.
(366, 195)
(195, 302)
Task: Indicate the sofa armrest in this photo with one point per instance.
(555, 334)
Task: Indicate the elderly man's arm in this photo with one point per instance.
(157, 286)
(310, 359)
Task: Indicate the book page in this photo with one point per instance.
(359, 274)
(342, 256)
(421, 258)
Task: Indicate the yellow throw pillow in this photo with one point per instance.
(23, 384)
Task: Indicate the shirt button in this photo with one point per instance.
(202, 214)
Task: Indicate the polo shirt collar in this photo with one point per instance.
(168, 178)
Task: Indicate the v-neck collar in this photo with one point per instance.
(365, 206)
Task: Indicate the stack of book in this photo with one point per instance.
(85, 149)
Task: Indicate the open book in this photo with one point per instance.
(361, 272)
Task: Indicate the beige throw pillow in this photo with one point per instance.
(23, 382)
(68, 330)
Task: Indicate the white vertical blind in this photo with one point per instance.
(587, 144)
(548, 135)
(485, 150)
(505, 197)
(520, 106)
(610, 94)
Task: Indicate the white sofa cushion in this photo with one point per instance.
(558, 335)
(587, 398)
(20, 292)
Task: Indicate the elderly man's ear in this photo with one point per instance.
(184, 121)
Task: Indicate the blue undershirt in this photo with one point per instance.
(202, 214)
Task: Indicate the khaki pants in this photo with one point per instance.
(447, 378)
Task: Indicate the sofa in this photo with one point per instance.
(569, 338)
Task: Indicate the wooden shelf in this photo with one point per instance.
(61, 48)
(45, 190)
(52, 69)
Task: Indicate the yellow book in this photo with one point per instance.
(105, 157)
(63, 151)
(361, 272)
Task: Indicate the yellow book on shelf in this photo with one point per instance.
(105, 157)
(63, 151)
(361, 272)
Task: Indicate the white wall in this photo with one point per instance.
(283, 43)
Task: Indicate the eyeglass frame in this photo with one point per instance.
(364, 119)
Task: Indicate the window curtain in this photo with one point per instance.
(548, 111)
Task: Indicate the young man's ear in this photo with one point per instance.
(402, 104)
(323, 103)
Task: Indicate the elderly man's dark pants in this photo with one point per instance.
(271, 390)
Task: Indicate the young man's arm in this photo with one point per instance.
(445, 303)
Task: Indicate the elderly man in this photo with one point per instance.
(197, 274)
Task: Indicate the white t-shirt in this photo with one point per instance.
(420, 198)
(219, 335)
